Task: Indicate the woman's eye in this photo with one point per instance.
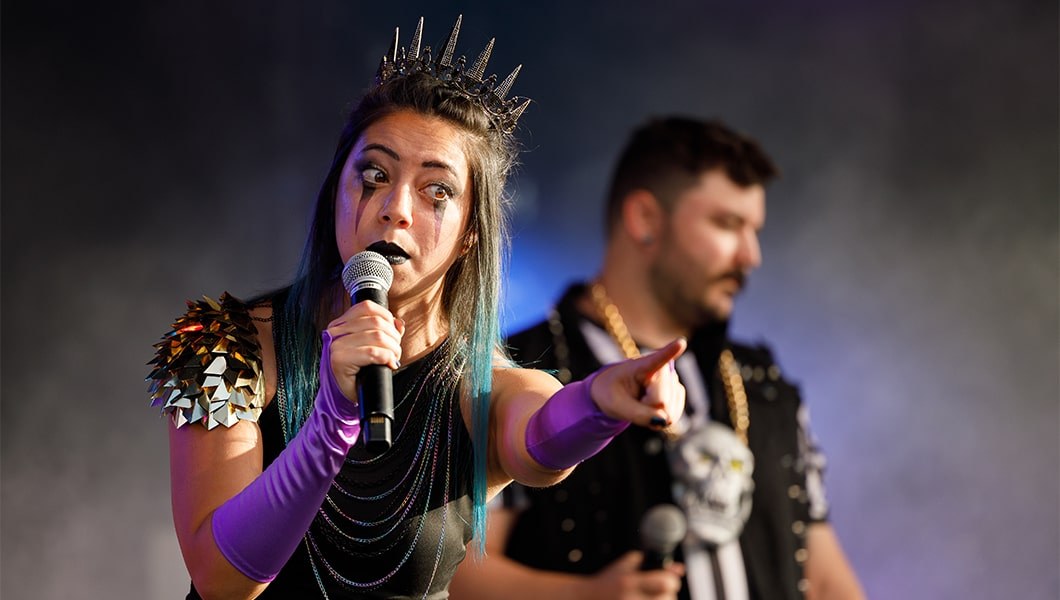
(439, 192)
(373, 175)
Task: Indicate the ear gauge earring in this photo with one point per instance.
(647, 240)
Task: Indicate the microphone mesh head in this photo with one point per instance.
(367, 267)
(662, 528)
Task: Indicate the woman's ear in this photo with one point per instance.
(642, 217)
(470, 239)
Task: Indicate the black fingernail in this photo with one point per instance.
(658, 421)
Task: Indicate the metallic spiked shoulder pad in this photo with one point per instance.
(208, 368)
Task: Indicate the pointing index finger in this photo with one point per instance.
(651, 364)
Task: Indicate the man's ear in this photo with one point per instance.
(642, 217)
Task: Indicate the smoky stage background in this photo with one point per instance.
(157, 151)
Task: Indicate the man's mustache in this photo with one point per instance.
(738, 277)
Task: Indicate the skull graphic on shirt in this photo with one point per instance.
(712, 481)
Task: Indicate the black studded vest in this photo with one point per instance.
(591, 518)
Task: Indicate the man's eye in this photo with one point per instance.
(728, 222)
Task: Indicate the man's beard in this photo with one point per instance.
(690, 309)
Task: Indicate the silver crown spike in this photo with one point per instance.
(393, 54)
(402, 62)
(478, 69)
(450, 45)
(515, 114)
(502, 90)
(414, 45)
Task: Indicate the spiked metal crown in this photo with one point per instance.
(402, 62)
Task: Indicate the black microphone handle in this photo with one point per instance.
(375, 390)
(375, 395)
(654, 560)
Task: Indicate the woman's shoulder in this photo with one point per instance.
(512, 380)
(208, 367)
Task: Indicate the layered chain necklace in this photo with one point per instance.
(394, 496)
(735, 394)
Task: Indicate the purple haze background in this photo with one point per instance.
(159, 151)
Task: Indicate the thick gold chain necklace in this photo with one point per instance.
(735, 394)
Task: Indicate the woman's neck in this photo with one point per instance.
(426, 324)
(425, 328)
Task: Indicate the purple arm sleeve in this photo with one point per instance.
(259, 528)
(570, 428)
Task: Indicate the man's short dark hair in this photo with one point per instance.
(668, 155)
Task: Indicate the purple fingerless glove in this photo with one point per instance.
(260, 527)
(570, 428)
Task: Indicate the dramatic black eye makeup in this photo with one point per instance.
(439, 192)
(371, 173)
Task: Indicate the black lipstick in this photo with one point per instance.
(394, 254)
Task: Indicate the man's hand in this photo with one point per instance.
(623, 580)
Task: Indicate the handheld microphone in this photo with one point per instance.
(661, 530)
(367, 276)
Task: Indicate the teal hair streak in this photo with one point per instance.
(483, 319)
(300, 357)
(485, 338)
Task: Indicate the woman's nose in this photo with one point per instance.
(397, 207)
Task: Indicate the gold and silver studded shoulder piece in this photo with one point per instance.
(208, 368)
(402, 62)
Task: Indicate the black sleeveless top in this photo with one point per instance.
(395, 525)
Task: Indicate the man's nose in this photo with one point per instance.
(750, 253)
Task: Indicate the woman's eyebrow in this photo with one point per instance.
(430, 164)
(437, 164)
(384, 149)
